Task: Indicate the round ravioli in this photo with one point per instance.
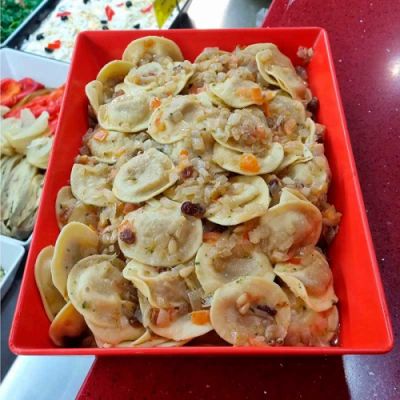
(162, 288)
(75, 241)
(92, 184)
(21, 131)
(312, 177)
(99, 292)
(95, 93)
(67, 325)
(114, 72)
(38, 151)
(177, 116)
(237, 92)
(126, 113)
(308, 327)
(52, 300)
(175, 323)
(295, 152)
(159, 235)
(286, 228)
(284, 107)
(243, 130)
(148, 48)
(149, 339)
(69, 209)
(127, 330)
(250, 311)
(214, 270)
(248, 163)
(246, 198)
(144, 176)
(109, 146)
(160, 79)
(310, 278)
(277, 69)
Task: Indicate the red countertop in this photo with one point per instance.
(365, 42)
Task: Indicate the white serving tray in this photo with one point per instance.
(16, 64)
(11, 254)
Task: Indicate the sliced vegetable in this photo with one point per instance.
(12, 91)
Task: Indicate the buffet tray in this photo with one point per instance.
(39, 14)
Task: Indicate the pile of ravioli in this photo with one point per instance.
(195, 207)
(25, 145)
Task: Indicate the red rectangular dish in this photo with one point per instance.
(364, 319)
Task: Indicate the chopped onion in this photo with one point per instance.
(195, 299)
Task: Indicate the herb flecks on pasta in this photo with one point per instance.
(197, 203)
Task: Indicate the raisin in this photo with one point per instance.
(270, 311)
(193, 209)
(274, 187)
(187, 172)
(127, 236)
(302, 72)
(313, 106)
(105, 28)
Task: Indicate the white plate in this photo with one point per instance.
(17, 65)
(11, 254)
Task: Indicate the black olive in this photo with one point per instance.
(136, 26)
(128, 4)
(40, 36)
(105, 28)
(64, 18)
(103, 21)
(85, 1)
(48, 50)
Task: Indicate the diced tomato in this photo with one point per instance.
(54, 45)
(147, 9)
(128, 207)
(160, 125)
(200, 317)
(295, 261)
(63, 14)
(211, 237)
(249, 163)
(109, 12)
(100, 135)
(265, 108)
(257, 96)
(155, 103)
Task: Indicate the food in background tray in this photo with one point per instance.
(56, 35)
(198, 208)
(26, 139)
(13, 13)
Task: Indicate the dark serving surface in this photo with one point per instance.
(367, 60)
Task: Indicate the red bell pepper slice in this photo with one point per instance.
(49, 102)
(12, 91)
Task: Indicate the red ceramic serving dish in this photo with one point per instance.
(364, 319)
